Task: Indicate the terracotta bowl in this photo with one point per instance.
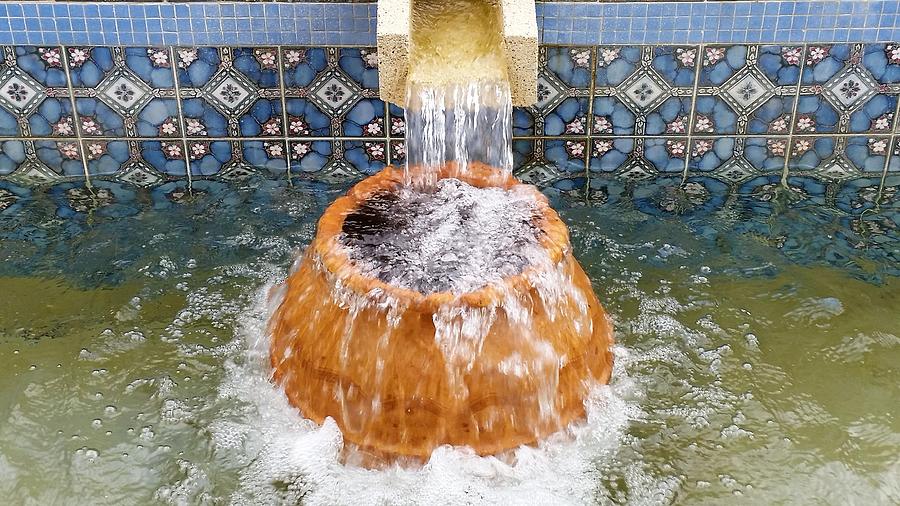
(391, 388)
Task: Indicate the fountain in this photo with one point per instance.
(440, 303)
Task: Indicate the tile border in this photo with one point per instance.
(343, 23)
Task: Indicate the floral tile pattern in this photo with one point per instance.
(815, 118)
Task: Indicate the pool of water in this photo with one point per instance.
(757, 355)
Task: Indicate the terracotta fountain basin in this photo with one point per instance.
(354, 348)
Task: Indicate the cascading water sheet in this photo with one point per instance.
(458, 99)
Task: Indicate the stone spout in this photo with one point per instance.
(520, 46)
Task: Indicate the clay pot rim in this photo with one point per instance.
(554, 238)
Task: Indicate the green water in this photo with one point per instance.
(750, 369)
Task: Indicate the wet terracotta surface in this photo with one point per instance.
(390, 386)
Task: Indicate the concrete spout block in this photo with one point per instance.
(520, 46)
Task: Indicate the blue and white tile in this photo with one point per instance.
(397, 123)
(306, 120)
(12, 155)
(267, 157)
(883, 62)
(562, 91)
(815, 115)
(105, 157)
(615, 64)
(208, 158)
(361, 65)
(676, 64)
(612, 117)
(809, 153)
(718, 64)
(868, 154)
(307, 158)
(551, 163)
(34, 94)
(610, 154)
(301, 67)
(823, 62)
(713, 115)
(666, 155)
(766, 154)
(238, 85)
(672, 117)
(711, 155)
(65, 158)
(397, 152)
(365, 119)
(166, 157)
(367, 157)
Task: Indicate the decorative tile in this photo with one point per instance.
(610, 154)
(105, 157)
(611, 116)
(208, 158)
(562, 106)
(868, 154)
(123, 92)
(883, 62)
(366, 157)
(538, 162)
(268, 157)
(306, 120)
(397, 152)
(651, 89)
(747, 89)
(766, 154)
(666, 155)
(165, 157)
(808, 154)
(62, 157)
(894, 161)
(302, 65)
(397, 125)
(676, 64)
(709, 155)
(230, 91)
(12, 155)
(847, 88)
(365, 119)
(718, 64)
(815, 114)
(34, 95)
(714, 115)
(309, 157)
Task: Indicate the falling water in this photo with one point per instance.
(458, 102)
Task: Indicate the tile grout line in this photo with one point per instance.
(284, 115)
(173, 54)
(785, 171)
(76, 117)
(692, 116)
(589, 122)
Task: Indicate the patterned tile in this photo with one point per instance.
(123, 92)
(165, 157)
(666, 155)
(309, 157)
(268, 157)
(230, 91)
(765, 154)
(366, 157)
(562, 108)
(712, 154)
(34, 95)
(209, 158)
(611, 154)
(847, 88)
